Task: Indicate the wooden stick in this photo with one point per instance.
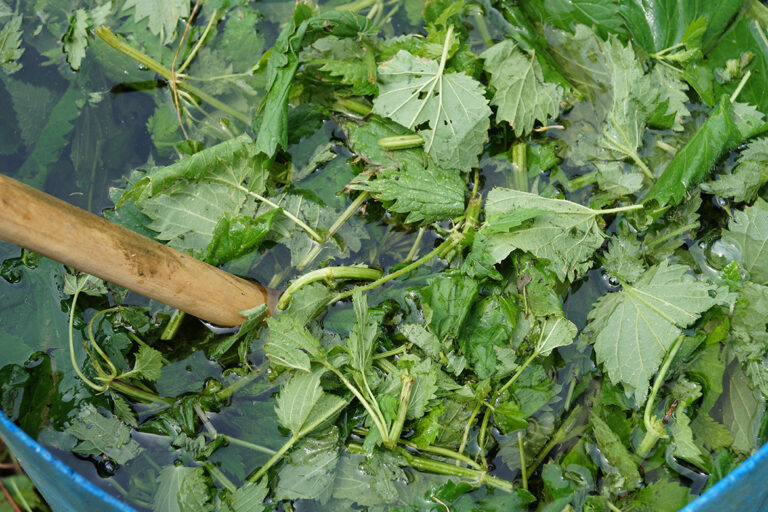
(51, 227)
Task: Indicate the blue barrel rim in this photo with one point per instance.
(717, 492)
(62, 470)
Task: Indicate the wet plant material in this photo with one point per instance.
(522, 248)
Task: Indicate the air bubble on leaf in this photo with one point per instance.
(612, 283)
(106, 467)
(720, 253)
(720, 202)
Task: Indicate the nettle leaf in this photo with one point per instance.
(101, 435)
(623, 259)
(309, 471)
(748, 231)
(522, 96)
(250, 497)
(290, 343)
(560, 231)
(362, 338)
(448, 110)
(751, 173)
(181, 489)
(76, 39)
(743, 410)
(632, 329)
(426, 194)
(446, 303)
(149, 363)
(297, 398)
(162, 17)
(614, 450)
(556, 331)
(10, 45)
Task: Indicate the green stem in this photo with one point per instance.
(397, 142)
(647, 171)
(173, 325)
(273, 460)
(415, 246)
(443, 452)
(108, 37)
(468, 427)
(303, 225)
(218, 476)
(442, 468)
(516, 375)
(97, 387)
(653, 433)
(672, 234)
(481, 436)
(343, 218)
(402, 410)
(619, 209)
(228, 391)
(199, 42)
(327, 274)
(92, 340)
(447, 244)
(246, 444)
(574, 424)
(523, 469)
(741, 85)
(393, 352)
(379, 422)
(520, 166)
(138, 394)
(479, 19)
(348, 104)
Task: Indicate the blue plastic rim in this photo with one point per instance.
(742, 490)
(63, 489)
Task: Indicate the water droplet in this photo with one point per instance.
(106, 467)
(720, 253)
(612, 283)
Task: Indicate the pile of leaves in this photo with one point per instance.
(523, 249)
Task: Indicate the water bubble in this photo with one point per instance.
(720, 253)
(720, 202)
(106, 467)
(612, 283)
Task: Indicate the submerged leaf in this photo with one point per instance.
(10, 45)
(748, 231)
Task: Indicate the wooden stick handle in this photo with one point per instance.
(46, 225)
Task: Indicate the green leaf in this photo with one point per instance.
(180, 489)
(310, 468)
(84, 283)
(162, 18)
(446, 302)
(149, 363)
(10, 45)
(743, 410)
(76, 39)
(614, 450)
(54, 137)
(748, 231)
(604, 17)
(422, 338)
(522, 96)
(237, 236)
(296, 399)
(100, 435)
(291, 344)
(682, 436)
(509, 417)
(250, 497)
(632, 329)
(451, 106)
(486, 328)
(624, 257)
(362, 338)
(564, 233)
(712, 434)
(751, 173)
(664, 495)
(723, 131)
(556, 331)
(656, 25)
(426, 194)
